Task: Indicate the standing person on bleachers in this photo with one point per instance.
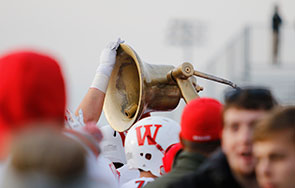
(276, 38)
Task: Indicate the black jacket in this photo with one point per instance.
(185, 163)
(276, 22)
(215, 173)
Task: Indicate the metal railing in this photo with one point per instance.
(247, 60)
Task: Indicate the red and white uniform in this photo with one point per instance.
(105, 172)
(100, 170)
(127, 174)
(137, 183)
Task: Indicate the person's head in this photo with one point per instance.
(146, 142)
(276, 8)
(242, 109)
(274, 149)
(45, 157)
(32, 90)
(201, 125)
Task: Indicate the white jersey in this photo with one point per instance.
(127, 174)
(3, 166)
(100, 170)
(137, 183)
(106, 172)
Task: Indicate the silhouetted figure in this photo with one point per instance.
(276, 24)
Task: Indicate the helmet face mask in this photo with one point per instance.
(147, 140)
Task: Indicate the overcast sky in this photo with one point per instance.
(75, 31)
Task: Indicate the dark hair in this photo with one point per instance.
(280, 119)
(205, 148)
(252, 98)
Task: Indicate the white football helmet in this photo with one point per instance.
(147, 140)
(112, 145)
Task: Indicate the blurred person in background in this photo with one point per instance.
(145, 144)
(32, 91)
(276, 25)
(201, 125)
(274, 148)
(100, 170)
(234, 165)
(46, 158)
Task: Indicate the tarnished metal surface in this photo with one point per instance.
(136, 88)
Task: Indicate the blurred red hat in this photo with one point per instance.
(201, 120)
(31, 90)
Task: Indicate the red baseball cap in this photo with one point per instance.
(201, 120)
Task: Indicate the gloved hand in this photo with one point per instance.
(72, 121)
(105, 68)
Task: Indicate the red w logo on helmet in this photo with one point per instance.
(147, 133)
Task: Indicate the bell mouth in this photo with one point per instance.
(122, 100)
(135, 88)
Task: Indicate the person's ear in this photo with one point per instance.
(181, 140)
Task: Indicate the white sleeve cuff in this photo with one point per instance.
(100, 82)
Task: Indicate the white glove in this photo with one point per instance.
(72, 121)
(105, 68)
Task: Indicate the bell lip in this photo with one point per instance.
(127, 49)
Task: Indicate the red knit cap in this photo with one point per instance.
(31, 90)
(201, 120)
